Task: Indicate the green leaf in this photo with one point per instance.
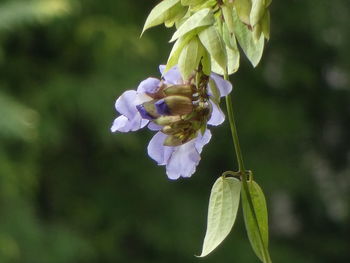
(206, 63)
(232, 51)
(257, 31)
(227, 13)
(190, 57)
(232, 63)
(214, 44)
(223, 206)
(199, 21)
(257, 12)
(243, 8)
(177, 49)
(257, 234)
(265, 24)
(192, 2)
(252, 49)
(175, 14)
(159, 14)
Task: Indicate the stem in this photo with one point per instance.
(241, 170)
(234, 134)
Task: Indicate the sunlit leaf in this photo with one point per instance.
(206, 63)
(198, 21)
(175, 14)
(252, 49)
(258, 234)
(257, 12)
(223, 206)
(177, 49)
(190, 57)
(215, 46)
(243, 8)
(160, 13)
(192, 2)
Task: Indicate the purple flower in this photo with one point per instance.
(179, 112)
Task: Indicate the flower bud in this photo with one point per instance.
(184, 90)
(174, 105)
(166, 120)
(172, 140)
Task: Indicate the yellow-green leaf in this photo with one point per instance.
(192, 2)
(190, 57)
(257, 233)
(176, 50)
(252, 49)
(257, 12)
(265, 24)
(175, 14)
(243, 8)
(199, 20)
(159, 14)
(214, 44)
(222, 211)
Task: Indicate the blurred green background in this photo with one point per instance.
(71, 192)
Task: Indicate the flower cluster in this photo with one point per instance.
(179, 110)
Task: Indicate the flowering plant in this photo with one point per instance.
(181, 105)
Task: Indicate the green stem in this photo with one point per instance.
(242, 171)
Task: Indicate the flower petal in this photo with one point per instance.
(172, 76)
(123, 124)
(202, 140)
(150, 85)
(154, 127)
(217, 116)
(157, 151)
(224, 86)
(183, 161)
(185, 158)
(125, 104)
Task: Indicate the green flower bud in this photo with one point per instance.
(184, 90)
(174, 105)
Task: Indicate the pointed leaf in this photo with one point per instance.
(159, 14)
(243, 8)
(214, 44)
(252, 49)
(257, 31)
(232, 63)
(190, 57)
(175, 14)
(177, 49)
(257, 12)
(255, 231)
(265, 24)
(206, 63)
(192, 2)
(227, 13)
(223, 206)
(199, 21)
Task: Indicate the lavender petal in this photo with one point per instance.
(224, 86)
(125, 104)
(172, 76)
(157, 151)
(150, 85)
(217, 116)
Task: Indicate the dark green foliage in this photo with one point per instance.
(70, 191)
